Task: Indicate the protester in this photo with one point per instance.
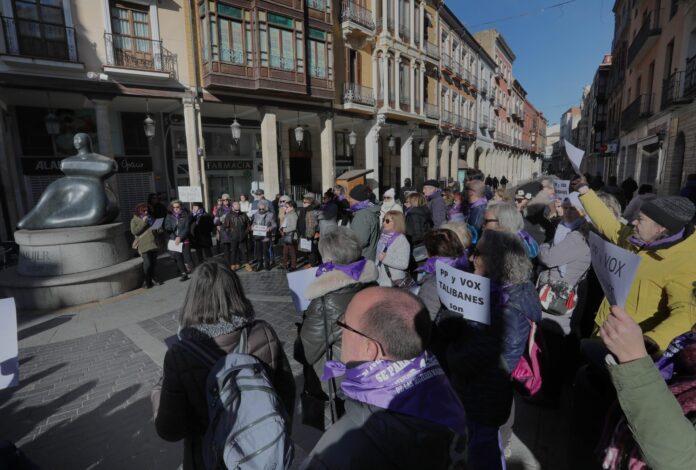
(365, 223)
(244, 204)
(663, 238)
(455, 212)
(159, 210)
(234, 225)
(501, 195)
(612, 187)
(401, 411)
(328, 213)
(289, 238)
(393, 250)
(262, 243)
(488, 181)
(177, 225)
(522, 200)
(282, 203)
(308, 225)
(503, 182)
(418, 219)
(214, 313)
(629, 187)
(476, 199)
(540, 210)
(495, 183)
(436, 204)
(259, 196)
(388, 204)
(344, 273)
(645, 193)
(202, 229)
(405, 190)
(504, 216)
(141, 228)
(343, 205)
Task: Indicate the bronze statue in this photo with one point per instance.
(80, 198)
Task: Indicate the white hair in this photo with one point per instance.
(509, 218)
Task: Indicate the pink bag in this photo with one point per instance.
(527, 373)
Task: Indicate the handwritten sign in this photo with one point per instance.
(562, 188)
(575, 155)
(305, 245)
(9, 350)
(464, 293)
(298, 283)
(259, 230)
(190, 193)
(615, 268)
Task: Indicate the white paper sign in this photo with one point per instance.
(190, 193)
(259, 230)
(562, 188)
(9, 350)
(615, 268)
(157, 224)
(298, 283)
(172, 246)
(464, 293)
(575, 155)
(305, 245)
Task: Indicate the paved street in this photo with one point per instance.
(86, 374)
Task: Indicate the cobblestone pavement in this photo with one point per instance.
(86, 373)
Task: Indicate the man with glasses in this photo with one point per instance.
(401, 411)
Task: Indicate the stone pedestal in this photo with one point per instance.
(64, 267)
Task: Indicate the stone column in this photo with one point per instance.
(101, 110)
(385, 17)
(397, 81)
(432, 157)
(407, 155)
(372, 149)
(269, 152)
(385, 78)
(190, 127)
(422, 89)
(421, 27)
(454, 160)
(412, 84)
(328, 170)
(375, 76)
(412, 22)
(444, 158)
(397, 18)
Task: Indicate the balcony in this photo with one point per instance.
(483, 124)
(446, 62)
(672, 90)
(39, 40)
(404, 33)
(448, 118)
(690, 77)
(640, 108)
(432, 111)
(647, 36)
(483, 87)
(380, 25)
(354, 93)
(130, 52)
(432, 50)
(405, 103)
(357, 16)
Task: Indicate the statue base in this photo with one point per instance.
(64, 267)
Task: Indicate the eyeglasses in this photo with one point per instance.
(343, 325)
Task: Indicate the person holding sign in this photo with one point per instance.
(141, 228)
(660, 296)
(263, 227)
(178, 226)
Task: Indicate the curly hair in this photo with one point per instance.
(504, 257)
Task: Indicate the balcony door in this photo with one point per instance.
(132, 43)
(41, 30)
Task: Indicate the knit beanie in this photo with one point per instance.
(360, 192)
(432, 183)
(672, 212)
(389, 193)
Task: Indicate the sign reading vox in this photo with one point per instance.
(615, 268)
(464, 293)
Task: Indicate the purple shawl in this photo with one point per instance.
(361, 205)
(657, 244)
(461, 263)
(387, 238)
(354, 270)
(415, 387)
(666, 363)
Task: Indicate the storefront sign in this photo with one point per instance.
(134, 164)
(41, 166)
(226, 165)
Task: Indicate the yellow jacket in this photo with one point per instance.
(661, 297)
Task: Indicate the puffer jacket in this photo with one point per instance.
(146, 238)
(661, 297)
(418, 221)
(330, 295)
(180, 402)
(523, 305)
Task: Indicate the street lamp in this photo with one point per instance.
(392, 141)
(299, 132)
(52, 124)
(352, 139)
(148, 123)
(235, 128)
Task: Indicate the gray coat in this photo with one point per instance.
(438, 208)
(365, 225)
(397, 260)
(573, 252)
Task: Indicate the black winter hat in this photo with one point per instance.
(360, 192)
(672, 212)
(432, 183)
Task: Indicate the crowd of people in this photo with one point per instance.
(397, 380)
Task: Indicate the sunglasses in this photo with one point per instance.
(343, 325)
(387, 221)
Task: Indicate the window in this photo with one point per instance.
(131, 34)
(232, 34)
(278, 43)
(344, 153)
(317, 58)
(132, 126)
(41, 30)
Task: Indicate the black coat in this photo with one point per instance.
(418, 221)
(202, 230)
(178, 227)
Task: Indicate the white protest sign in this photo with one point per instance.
(298, 283)
(9, 350)
(615, 269)
(259, 230)
(562, 188)
(464, 293)
(172, 246)
(305, 245)
(190, 193)
(575, 155)
(157, 224)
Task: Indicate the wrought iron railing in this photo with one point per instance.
(690, 76)
(358, 94)
(483, 86)
(38, 39)
(358, 14)
(651, 27)
(446, 60)
(404, 33)
(405, 102)
(484, 122)
(641, 107)
(317, 71)
(146, 54)
(282, 63)
(672, 89)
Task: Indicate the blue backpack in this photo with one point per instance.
(248, 427)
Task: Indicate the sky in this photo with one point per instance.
(558, 50)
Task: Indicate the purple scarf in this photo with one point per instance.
(361, 205)
(149, 219)
(387, 238)
(657, 243)
(198, 214)
(461, 263)
(354, 270)
(415, 387)
(530, 244)
(501, 292)
(666, 363)
(480, 202)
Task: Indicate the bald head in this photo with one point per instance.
(395, 318)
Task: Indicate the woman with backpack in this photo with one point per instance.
(215, 316)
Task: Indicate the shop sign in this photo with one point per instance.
(134, 164)
(41, 166)
(226, 165)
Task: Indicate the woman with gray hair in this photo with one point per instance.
(343, 274)
(504, 216)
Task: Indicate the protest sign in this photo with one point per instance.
(615, 268)
(172, 246)
(259, 230)
(305, 245)
(190, 194)
(464, 293)
(9, 350)
(298, 282)
(157, 224)
(575, 155)
(562, 188)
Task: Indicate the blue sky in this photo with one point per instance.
(557, 50)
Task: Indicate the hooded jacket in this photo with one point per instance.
(365, 225)
(661, 296)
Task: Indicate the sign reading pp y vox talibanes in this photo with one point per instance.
(615, 268)
(464, 293)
